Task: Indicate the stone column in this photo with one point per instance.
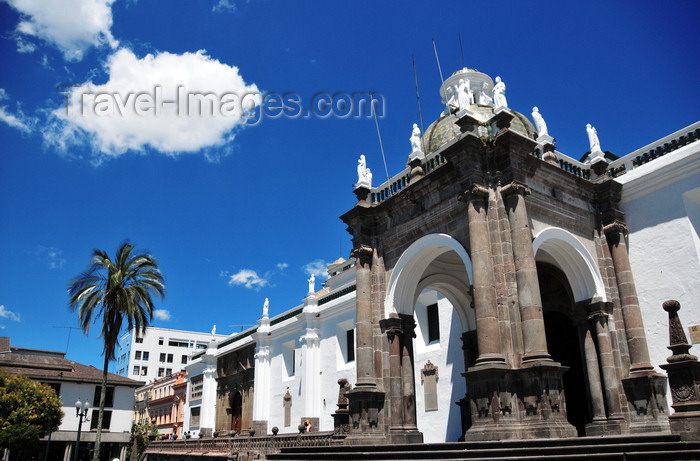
(598, 313)
(407, 372)
(593, 371)
(394, 333)
(634, 328)
(534, 338)
(363, 307)
(487, 329)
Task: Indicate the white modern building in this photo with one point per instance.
(75, 382)
(158, 353)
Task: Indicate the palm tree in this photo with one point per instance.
(115, 290)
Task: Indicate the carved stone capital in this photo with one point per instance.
(515, 188)
(474, 192)
(615, 227)
(392, 328)
(599, 311)
(363, 254)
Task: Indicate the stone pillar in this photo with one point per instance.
(394, 333)
(487, 328)
(684, 378)
(598, 313)
(366, 400)
(597, 426)
(365, 352)
(407, 372)
(534, 338)
(634, 328)
(311, 354)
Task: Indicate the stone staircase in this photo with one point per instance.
(646, 447)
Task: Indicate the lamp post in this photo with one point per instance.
(81, 411)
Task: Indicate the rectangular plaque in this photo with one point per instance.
(694, 331)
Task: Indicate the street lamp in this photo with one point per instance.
(81, 411)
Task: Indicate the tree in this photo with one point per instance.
(28, 411)
(115, 290)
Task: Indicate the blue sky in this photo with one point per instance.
(236, 212)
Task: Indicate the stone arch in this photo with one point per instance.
(563, 250)
(409, 277)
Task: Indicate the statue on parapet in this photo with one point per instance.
(465, 98)
(312, 284)
(593, 138)
(266, 308)
(364, 175)
(415, 139)
(499, 94)
(540, 124)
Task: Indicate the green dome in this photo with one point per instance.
(445, 128)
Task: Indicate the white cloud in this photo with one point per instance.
(52, 257)
(16, 120)
(177, 94)
(9, 315)
(161, 314)
(317, 268)
(282, 266)
(249, 278)
(72, 26)
(224, 5)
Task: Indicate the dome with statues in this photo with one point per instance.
(473, 91)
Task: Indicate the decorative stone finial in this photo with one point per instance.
(679, 342)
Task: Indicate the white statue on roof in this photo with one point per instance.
(539, 122)
(499, 94)
(415, 139)
(464, 95)
(213, 333)
(266, 308)
(312, 284)
(364, 175)
(593, 138)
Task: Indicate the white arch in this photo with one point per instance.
(456, 291)
(574, 260)
(401, 289)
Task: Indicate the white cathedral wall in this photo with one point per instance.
(661, 202)
(443, 424)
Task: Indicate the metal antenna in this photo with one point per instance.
(442, 80)
(379, 134)
(415, 77)
(69, 332)
(461, 50)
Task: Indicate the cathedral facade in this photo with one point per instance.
(489, 295)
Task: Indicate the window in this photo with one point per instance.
(146, 355)
(160, 341)
(144, 371)
(170, 358)
(433, 323)
(139, 340)
(289, 354)
(162, 357)
(137, 355)
(350, 345)
(161, 372)
(196, 385)
(168, 371)
(109, 396)
(184, 360)
(106, 419)
(55, 386)
(178, 343)
(137, 370)
(194, 417)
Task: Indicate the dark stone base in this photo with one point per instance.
(524, 403)
(687, 425)
(404, 436)
(206, 432)
(606, 427)
(260, 427)
(646, 397)
(366, 417)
